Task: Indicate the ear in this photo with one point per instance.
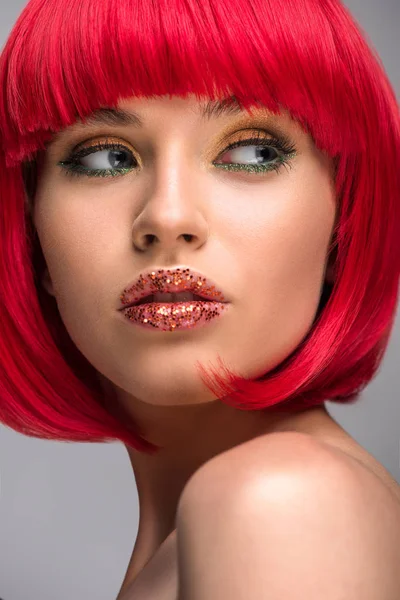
(330, 271)
(46, 279)
(47, 283)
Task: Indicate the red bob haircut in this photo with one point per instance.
(309, 57)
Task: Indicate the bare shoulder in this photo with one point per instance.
(299, 517)
(271, 459)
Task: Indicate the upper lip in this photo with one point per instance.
(180, 279)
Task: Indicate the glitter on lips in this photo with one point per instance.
(171, 316)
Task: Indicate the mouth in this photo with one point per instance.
(170, 285)
(166, 298)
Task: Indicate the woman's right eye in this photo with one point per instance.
(95, 158)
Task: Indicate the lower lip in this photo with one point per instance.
(171, 316)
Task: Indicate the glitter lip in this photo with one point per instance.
(169, 316)
(175, 280)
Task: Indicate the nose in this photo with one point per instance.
(169, 222)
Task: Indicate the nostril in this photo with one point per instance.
(150, 238)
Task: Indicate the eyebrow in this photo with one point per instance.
(212, 109)
(209, 110)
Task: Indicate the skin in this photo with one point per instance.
(263, 237)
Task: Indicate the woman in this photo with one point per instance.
(244, 156)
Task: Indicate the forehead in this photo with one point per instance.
(133, 112)
(205, 109)
(129, 110)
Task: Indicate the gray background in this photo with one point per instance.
(69, 512)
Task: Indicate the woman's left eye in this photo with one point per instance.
(95, 157)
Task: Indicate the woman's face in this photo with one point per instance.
(263, 237)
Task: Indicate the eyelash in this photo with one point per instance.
(286, 149)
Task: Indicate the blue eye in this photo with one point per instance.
(276, 152)
(120, 157)
(271, 154)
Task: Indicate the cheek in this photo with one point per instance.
(80, 249)
(285, 265)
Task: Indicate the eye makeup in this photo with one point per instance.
(273, 148)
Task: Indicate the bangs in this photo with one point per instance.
(269, 53)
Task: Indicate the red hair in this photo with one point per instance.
(63, 60)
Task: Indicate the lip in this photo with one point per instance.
(176, 279)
